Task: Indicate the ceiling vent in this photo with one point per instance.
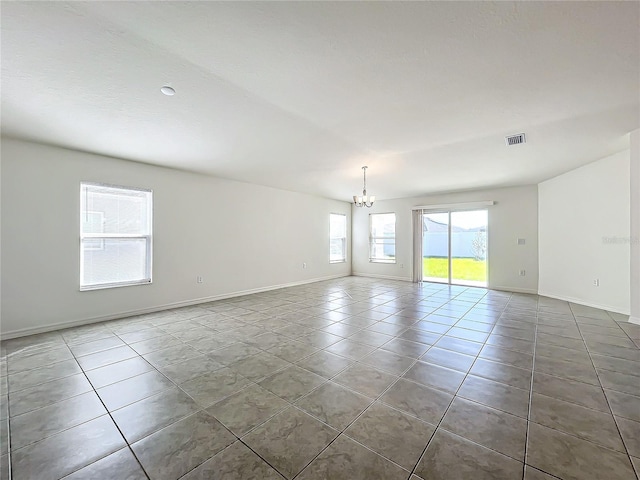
(514, 139)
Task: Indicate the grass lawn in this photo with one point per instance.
(462, 268)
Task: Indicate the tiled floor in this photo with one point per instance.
(347, 379)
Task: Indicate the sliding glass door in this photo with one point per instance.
(435, 247)
(454, 247)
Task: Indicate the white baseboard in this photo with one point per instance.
(157, 308)
(635, 320)
(384, 277)
(609, 308)
(530, 291)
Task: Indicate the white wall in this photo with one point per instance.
(515, 215)
(239, 237)
(635, 226)
(584, 234)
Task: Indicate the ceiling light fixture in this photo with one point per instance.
(363, 201)
(167, 90)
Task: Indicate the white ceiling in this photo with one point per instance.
(300, 95)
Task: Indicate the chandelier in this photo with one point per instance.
(364, 201)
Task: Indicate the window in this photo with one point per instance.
(382, 239)
(337, 238)
(115, 236)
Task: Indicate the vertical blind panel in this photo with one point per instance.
(114, 261)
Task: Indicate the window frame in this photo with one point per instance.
(372, 239)
(344, 239)
(116, 236)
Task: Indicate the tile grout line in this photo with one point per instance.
(453, 398)
(112, 419)
(415, 361)
(624, 443)
(533, 371)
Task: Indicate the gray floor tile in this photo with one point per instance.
(320, 339)
(68, 451)
(128, 391)
(435, 376)
(450, 456)
(635, 462)
(4, 467)
(81, 349)
(290, 440)
(365, 380)
(31, 378)
(508, 357)
(624, 405)
(188, 370)
(116, 372)
(499, 372)
(388, 362)
(292, 383)
(247, 409)
(406, 348)
(47, 393)
(572, 458)
(348, 459)
(44, 422)
(491, 428)
(630, 431)
(614, 364)
(449, 359)
(325, 364)
(150, 414)
(550, 339)
(562, 368)
(121, 465)
(235, 462)
(627, 350)
(150, 345)
(257, 367)
(471, 335)
(167, 356)
(406, 319)
(459, 345)
(496, 395)
(234, 353)
(531, 473)
(597, 427)
(393, 434)
(106, 357)
(432, 327)
(212, 387)
(426, 403)
(510, 343)
(571, 391)
(562, 353)
(620, 382)
(292, 351)
(142, 335)
(182, 446)
(387, 328)
(420, 336)
(334, 405)
(28, 360)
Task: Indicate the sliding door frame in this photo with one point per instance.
(448, 209)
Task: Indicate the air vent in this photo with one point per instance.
(515, 139)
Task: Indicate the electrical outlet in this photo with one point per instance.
(523, 273)
(596, 282)
(402, 265)
(522, 241)
(304, 264)
(199, 279)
